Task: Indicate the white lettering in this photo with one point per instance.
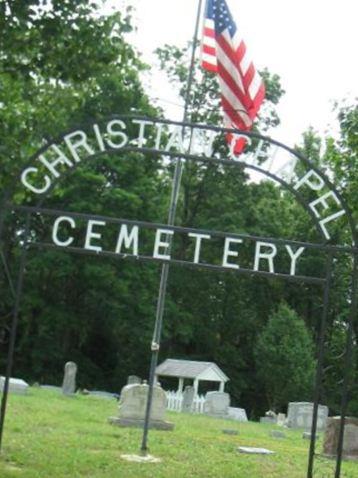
(61, 159)
(324, 221)
(323, 202)
(176, 140)
(93, 235)
(75, 145)
(56, 225)
(230, 253)
(198, 240)
(142, 125)
(294, 256)
(158, 137)
(122, 136)
(128, 239)
(265, 255)
(99, 137)
(315, 185)
(24, 180)
(159, 243)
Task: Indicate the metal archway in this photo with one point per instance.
(187, 141)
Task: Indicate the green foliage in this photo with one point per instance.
(284, 359)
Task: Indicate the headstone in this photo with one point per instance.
(270, 420)
(252, 450)
(270, 417)
(132, 407)
(16, 385)
(132, 379)
(307, 436)
(188, 399)
(277, 434)
(229, 431)
(217, 404)
(350, 437)
(300, 415)
(281, 419)
(238, 414)
(69, 379)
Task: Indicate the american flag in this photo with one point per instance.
(224, 52)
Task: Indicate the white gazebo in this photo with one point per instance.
(190, 369)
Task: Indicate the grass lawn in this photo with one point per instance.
(48, 435)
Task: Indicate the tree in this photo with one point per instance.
(284, 358)
(62, 63)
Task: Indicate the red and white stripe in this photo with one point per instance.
(242, 89)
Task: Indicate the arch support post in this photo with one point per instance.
(348, 365)
(319, 369)
(15, 320)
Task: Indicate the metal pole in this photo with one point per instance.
(7, 272)
(165, 268)
(348, 366)
(10, 357)
(319, 369)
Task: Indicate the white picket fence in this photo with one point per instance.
(175, 402)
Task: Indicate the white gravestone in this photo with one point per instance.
(238, 414)
(69, 379)
(16, 385)
(188, 399)
(300, 415)
(217, 404)
(132, 407)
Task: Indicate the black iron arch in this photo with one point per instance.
(188, 156)
(326, 245)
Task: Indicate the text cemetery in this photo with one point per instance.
(125, 240)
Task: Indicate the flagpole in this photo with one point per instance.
(155, 346)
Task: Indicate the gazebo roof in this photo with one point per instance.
(191, 369)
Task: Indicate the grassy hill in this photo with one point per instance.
(49, 435)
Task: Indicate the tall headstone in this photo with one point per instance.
(217, 404)
(188, 399)
(132, 407)
(300, 415)
(281, 419)
(69, 379)
(350, 437)
(132, 379)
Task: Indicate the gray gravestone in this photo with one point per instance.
(69, 379)
(228, 431)
(277, 434)
(132, 407)
(188, 399)
(281, 419)
(238, 414)
(350, 437)
(300, 415)
(268, 420)
(270, 417)
(16, 385)
(217, 404)
(133, 379)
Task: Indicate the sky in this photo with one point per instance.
(310, 44)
